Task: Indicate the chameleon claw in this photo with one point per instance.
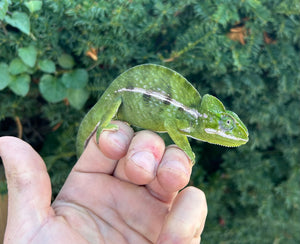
(111, 127)
(192, 157)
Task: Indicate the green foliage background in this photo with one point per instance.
(253, 192)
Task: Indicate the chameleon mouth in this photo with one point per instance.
(224, 135)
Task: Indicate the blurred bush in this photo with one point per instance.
(57, 57)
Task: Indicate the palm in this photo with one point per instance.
(127, 212)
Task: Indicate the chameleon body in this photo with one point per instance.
(157, 98)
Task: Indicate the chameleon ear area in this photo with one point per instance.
(211, 103)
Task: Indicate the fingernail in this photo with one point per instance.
(145, 160)
(119, 140)
(175, 166)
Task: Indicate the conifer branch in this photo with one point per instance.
(190, 46)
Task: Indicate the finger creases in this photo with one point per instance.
(27, 181)
(140, 164)
(186, 219)
(24, 168)
(172, 175)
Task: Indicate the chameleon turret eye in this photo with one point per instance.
(226, 123)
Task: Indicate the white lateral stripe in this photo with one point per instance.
(223, 134)
(163, 97)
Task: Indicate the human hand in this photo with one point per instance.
(124, 190)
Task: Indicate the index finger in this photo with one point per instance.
(102, 157)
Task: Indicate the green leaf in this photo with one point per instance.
(47, 66)
(3, 8)
(52, 89)
(77, 97)
(34, 6)
(66, 61)
(77, 78)
(19, 20)
(20, 84)
(16, 67)
(4, 76)
(28, 55)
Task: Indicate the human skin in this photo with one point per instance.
(124, 190)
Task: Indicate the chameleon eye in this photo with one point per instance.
(226, 123)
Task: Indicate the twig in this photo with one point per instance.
(19, 126)
(3, 28)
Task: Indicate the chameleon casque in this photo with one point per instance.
(157, 98)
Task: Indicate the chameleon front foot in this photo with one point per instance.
(180, 140)
(109, 127)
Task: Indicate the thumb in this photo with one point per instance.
(29, 188)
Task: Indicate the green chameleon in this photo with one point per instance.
(157, 98)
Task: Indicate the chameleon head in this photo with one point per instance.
(220, 126)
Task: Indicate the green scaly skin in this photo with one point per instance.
(157, 98)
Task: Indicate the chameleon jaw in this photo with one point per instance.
(236, 141)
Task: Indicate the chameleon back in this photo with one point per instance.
(153, 93)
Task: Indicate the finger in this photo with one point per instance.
(185, 222)
(173, 174)
(102, 157)
(27, 182)
(144, 154)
